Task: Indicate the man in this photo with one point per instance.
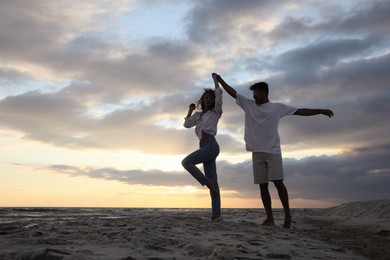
(262, 139)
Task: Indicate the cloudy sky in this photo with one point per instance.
(93, 96)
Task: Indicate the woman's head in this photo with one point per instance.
(207, 100)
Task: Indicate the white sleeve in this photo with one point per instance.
(287, 110)
(241, 101)
(190, 121)
(218, 100)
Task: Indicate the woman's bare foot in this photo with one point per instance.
(215, 216)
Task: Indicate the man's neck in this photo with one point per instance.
(262, 102)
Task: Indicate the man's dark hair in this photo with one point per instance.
(262, 86)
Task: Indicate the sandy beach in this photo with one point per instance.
(356, 230)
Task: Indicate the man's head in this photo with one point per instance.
(260, 92)
(262, 86)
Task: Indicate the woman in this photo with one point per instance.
(205, 123)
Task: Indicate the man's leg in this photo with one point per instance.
(283, 195)
(266, 198)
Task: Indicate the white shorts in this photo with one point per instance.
(267, 167)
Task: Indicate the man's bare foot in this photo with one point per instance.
(213, 190)
(268, 222)
(287, 222)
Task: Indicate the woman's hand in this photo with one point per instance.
(191, 107)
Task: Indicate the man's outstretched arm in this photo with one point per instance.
(313, 112)
(231, 91)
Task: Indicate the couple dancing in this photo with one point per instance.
(261, 138)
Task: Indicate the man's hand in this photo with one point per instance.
(327, 112)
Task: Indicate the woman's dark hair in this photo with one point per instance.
(200, 101)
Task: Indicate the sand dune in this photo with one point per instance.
(343, 232)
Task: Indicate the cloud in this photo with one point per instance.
(333, 21)
(152, 177)
(56, 119)
(41, 25)
(50, 37)
(365, 17)
(326, 53)
(220, 20)
(12, 77)
(360, 174)
(122, 93)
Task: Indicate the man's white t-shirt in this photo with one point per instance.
(261, 124)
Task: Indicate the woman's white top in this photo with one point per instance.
(206, 122)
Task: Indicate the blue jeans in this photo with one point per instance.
(207, 154)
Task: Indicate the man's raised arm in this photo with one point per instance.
(231, 91)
